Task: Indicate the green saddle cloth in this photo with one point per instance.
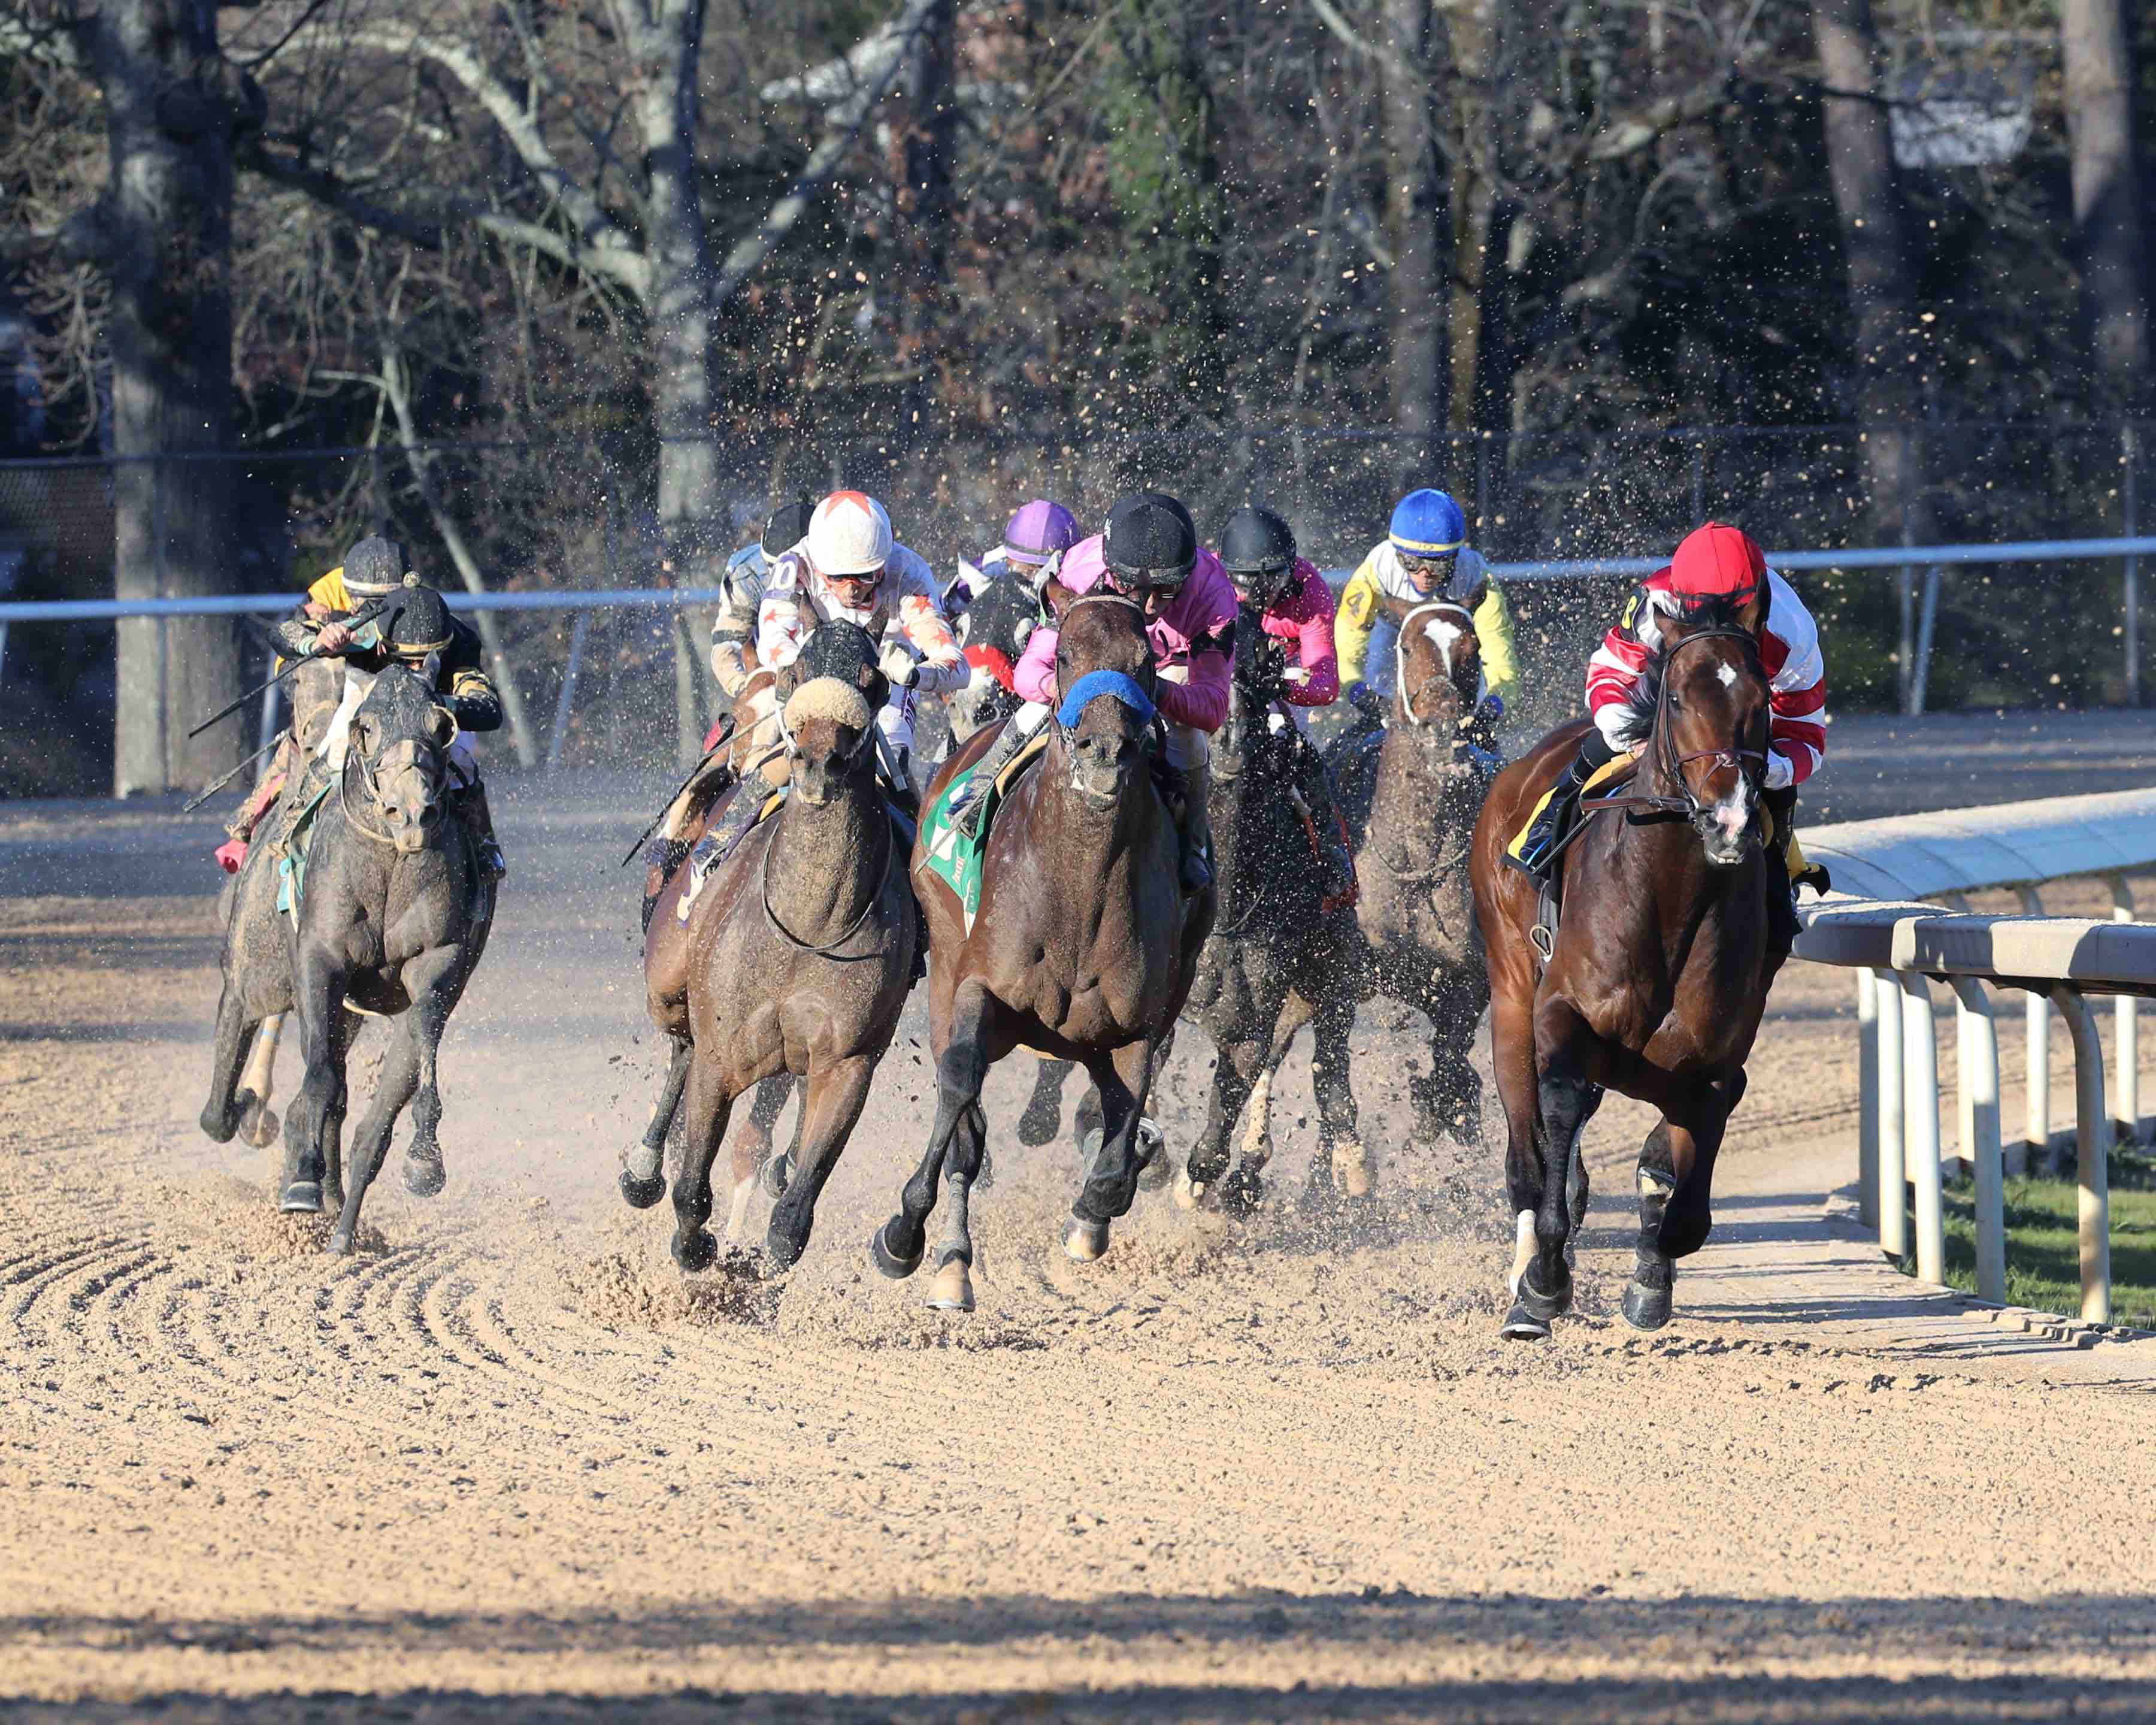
(954, 856)
(292, 865)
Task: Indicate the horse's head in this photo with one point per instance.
(829, 697)
(1437, 669)
(400, 737)
(1260, 675)
(1702, 706)
(1104, 672)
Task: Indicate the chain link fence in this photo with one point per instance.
(524, 517)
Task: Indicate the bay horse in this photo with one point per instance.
(393, 918)
(1280, 956)
(1660, 970)
(1083, 946)
(1411, 803)
(796, 958)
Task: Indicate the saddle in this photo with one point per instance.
(955, 858)
(291, 848)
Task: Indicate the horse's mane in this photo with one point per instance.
(837, 648)
(1644, 702)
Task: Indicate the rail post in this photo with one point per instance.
(2035, 1151)
(2093, 1134)
(1977, 1036)
(2129, 437)
(2126, 1106)
(561, 705)
(1893, 1222)
(1867, 1099)
(1920, 1084)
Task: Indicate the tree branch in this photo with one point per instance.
(52, 44)
(1635, 132)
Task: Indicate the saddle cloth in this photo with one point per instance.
(292, 859)
(953, 857)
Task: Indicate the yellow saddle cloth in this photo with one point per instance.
(1606, 776)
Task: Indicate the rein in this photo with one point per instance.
(368, 772)
(1685, 804)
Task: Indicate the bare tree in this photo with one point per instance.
(2099, 68)
(1416, 229)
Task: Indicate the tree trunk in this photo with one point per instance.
(1471, 29)
(1416, 231)
(924, 209)
(692, 525)
(163, 231)
(2099, 68)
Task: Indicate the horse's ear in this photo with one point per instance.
(785, 680)
(359, 734)
(876, 686)
(1057, 598)
(444, 727)
(1393, 611)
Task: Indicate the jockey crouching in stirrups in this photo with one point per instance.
(1713, 563)
(1295, 608)
(1149, 554)
(847, 566)
(1425, 556)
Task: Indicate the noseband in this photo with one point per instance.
(1098, 596)
(406, 751)
(1429, 608)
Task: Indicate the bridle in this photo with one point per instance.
(1427, 608)
(1105, 596)
(871, 735)
(1752, 763)
(411, 751)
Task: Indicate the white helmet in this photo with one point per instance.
(849, 534)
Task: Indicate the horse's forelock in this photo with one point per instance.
(1099, 636)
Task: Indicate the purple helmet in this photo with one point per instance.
(1038, 532)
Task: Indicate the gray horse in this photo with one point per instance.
(393, 918)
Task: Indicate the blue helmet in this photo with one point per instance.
(1427, 524)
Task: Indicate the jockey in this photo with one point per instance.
(416, 630)
(733, 630)
(373, 569)
(1295, 608)
(847, 566)
(1001, 615)
(1425, 556)
(1150, 552)
(1711, 562)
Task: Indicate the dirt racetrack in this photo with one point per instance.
(505, 1463)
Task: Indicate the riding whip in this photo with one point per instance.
(726, 728)
(365, 614)
(212, 790)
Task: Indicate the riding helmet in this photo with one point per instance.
(1717, 561)
(1257, 543)
(849, 535)
(1427, 524)
(1040, 530)
(788, 527)
(374, 567)
(420, 624)
(1151, 541)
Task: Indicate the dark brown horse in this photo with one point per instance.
(1660, 971)
(797, 958)
(1413, 802)
(1082, 947)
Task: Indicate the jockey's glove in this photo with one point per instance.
(899, 664)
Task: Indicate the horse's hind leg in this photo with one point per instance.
(1235, 1075)
(705, 1129)
(1043, 1118)
(258, 1123)
(1338, 1123)
(1123, 1081)
(752, 1145)
(961, 1070)
(831, 1105)
(642, 1178)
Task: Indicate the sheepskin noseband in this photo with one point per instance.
(829, 698)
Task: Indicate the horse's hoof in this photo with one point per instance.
(218, 1128)
(302, 1198)
(952, 1290)
(340, 1245)
(777, 1170)
(1541, 1305)
(888, 1261)
(1351, 1170)
(781, 1253)
(1241, 1192)
(642, 1194)
(1647, 1308)
(695, 1252)
(1085, 1241)
(423, 1179)
(257, 1121)
(1523, 1323)
(1190, 1194)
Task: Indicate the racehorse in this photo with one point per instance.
(393, 916)
(1082, 947)
(1280, 956)
(796, 958)
(1412, 801)
(1660, 970)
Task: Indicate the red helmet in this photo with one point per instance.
(1717, 562)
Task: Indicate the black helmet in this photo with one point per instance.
(1151, 542)
(420, 624)
(788, 527)
(375, 565)
(1258, 543)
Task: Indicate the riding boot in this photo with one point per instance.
(973, 811)
(720, 839)
(470, 802)
(1782, 927)
(1539, 850)
(663, 856)
(1193, 824)
(1328, 832)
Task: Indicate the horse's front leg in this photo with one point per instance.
(1235, 1073)
(221, 1114)
(1564, 1098)
(831, 1107)
(433, 981)
(1338, 1122)
(704, 1130)
(962, 1068)
(1123, 1079)
(393, 1089)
